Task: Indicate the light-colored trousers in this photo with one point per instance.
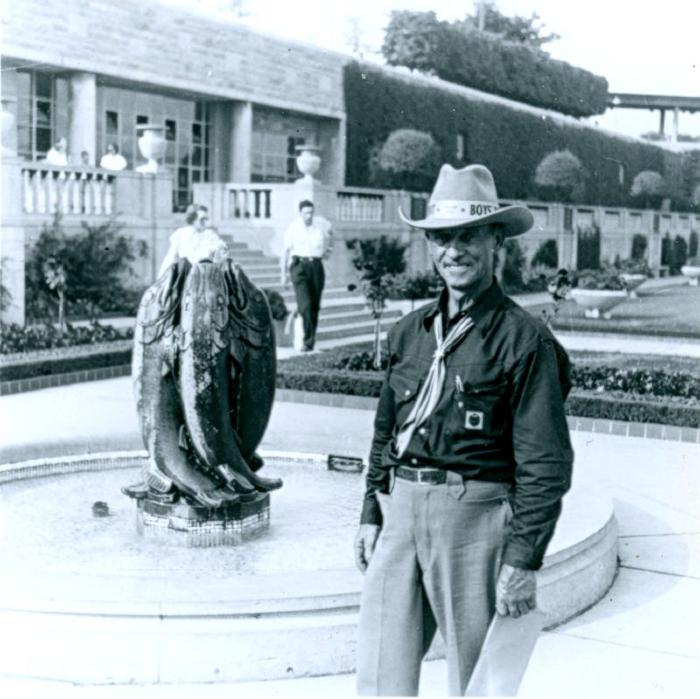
(435, 566)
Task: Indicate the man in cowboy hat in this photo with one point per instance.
(470, 457)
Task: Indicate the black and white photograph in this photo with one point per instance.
(349, 349)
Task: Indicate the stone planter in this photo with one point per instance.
(632, 281)
(692, 272)
(308, 160)
(152, 146)
(598, 301)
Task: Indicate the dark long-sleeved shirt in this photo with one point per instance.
(500, 416)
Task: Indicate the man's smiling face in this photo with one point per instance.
(464, 257)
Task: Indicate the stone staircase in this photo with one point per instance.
(344, 317)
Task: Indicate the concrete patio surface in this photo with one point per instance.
(640, 640)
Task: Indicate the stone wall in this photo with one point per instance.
(148, 42)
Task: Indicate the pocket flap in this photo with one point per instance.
(404, 387)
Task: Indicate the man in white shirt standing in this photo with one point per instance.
(307, 242)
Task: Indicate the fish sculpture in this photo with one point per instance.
(203, 371)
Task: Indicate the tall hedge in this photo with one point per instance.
(509, 141)
(487, 62)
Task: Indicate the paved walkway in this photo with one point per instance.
(641, 640)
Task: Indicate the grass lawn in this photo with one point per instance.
(671, 311)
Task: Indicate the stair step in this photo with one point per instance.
(264, 281)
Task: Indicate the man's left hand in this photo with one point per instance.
(515, 591)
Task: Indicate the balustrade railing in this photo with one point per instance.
(360, 207)
(48, 189)
(249, 202)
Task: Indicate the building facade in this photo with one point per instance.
(234, 104)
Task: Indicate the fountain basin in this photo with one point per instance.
(88, 601)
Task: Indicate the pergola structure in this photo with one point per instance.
(664, 103)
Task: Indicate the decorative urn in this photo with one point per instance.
(308, 160)
(152, 146)
(691, 270)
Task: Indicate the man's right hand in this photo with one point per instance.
(365, 541)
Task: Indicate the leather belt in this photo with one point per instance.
(433, 476)
(298, 258)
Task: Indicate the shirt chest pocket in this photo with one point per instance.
(481, 409)
(405, 389)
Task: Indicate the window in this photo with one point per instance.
(36, 113)
(186, 131)
(276, 135)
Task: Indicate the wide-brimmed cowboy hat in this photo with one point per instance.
(467, 197)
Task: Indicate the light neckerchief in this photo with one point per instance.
(431, 391)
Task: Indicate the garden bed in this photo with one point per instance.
(64, 360)
(630, 393)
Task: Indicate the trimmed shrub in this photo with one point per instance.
(94, 263)
(679, 254)
(16, 338)
(64, 361)
(411, 160)
(639, 246)
(692, 244)
(562, 173)
(484, 61)
(649, 187)
(588, 255)
(510, 142)
(582, 403)
(547, 254)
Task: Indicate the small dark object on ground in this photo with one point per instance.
(100, 509)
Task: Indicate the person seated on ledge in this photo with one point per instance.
(196, 241)
(57, 154)
(113, 159)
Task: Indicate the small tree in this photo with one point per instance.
(679, 254)
(412, 158)
(56, 280)
(378, 260)
(693, 244)
(649, 186)
(87, 267)
(547, 254)
(639, 246)
(563, 174)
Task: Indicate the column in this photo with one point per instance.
(674, 133)
(83, 116)
(662, 121)
(240, 159)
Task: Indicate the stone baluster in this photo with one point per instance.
(65, 184)
(109, 195)
(42, 191)
(28, 178)
(96, 196)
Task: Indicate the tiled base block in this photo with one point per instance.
(202, 526)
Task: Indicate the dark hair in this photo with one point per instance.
(115, 146)
(192, 211)
(303, 204)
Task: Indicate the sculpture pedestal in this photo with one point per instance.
(199, 526)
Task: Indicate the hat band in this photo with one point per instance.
(450, 209)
